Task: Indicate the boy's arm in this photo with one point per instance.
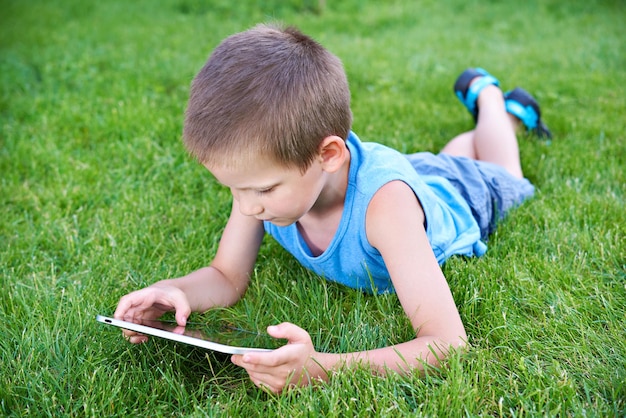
(395, 226)
(222, 283)
(226, 279)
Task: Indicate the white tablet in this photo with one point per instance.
(223, 338)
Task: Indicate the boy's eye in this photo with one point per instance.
(265, 191)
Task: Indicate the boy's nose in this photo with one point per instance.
(249, 207)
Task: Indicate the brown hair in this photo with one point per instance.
(268, 91)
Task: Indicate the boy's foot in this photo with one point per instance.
(523, 105)
(468, 92)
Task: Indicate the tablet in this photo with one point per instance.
(222, 337)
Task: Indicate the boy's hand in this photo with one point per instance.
(151, 303)
(290, 365)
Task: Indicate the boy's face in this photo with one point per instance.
(271, 192)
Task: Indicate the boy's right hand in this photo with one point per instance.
(151, 303)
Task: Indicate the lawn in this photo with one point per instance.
(99, 198)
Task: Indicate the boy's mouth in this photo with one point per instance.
(278, 222)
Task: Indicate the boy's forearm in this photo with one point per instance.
(206, 288)
(401, 358)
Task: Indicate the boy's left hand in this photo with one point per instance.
(289, 365)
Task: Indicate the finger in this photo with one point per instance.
(264, 386)
(268, 383)
(132, 309)
(293, 333)
(128, 333)
(262, 362)
(236, 359)
(122, 308)
(252, 363)
(171, 300)
(259, 379)
(137, 339)
(133, 336)
(151, 303)
(182, 313)
(261, 367)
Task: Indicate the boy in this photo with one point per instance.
(269, 116)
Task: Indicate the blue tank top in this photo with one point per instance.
(350, 259)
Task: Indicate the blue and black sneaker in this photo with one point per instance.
(523, 105)
(468, 93)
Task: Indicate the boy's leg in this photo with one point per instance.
(494, 136)
(461, 146)
(494, 139)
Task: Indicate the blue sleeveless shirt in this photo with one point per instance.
(350, 259)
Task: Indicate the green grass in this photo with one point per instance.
(99, 198)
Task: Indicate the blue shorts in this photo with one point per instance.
(488, 188)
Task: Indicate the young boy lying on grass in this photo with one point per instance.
(269, 116)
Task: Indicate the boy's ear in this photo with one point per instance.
(333, 153)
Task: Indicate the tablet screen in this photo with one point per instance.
(222, 337)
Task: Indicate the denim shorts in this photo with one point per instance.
(488, 188)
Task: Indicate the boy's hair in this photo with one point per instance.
(268, 91)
